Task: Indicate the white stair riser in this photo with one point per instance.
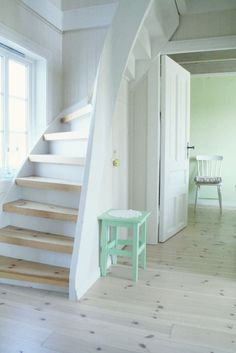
(35, 255)
(77, 148)
(4, 219)
(67, 172)
(67, 135)
(48, 287)
(42, 224)
(82, 124)
(59, 198)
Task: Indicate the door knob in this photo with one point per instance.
(189, 148)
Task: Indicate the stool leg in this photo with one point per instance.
(135, 245)
(104, 248)
(114, 236)
(143, 241)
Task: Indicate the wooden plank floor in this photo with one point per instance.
(185, 302)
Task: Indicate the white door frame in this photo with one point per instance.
(185, 46)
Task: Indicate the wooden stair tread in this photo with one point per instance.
(77, 114)
(47, 183)
(68, 135)
(32, 208)
(22, 270)
(35, 239)
(56, 159)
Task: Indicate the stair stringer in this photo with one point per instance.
(96, 196)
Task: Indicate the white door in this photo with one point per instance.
(174, 174)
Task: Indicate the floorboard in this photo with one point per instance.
(185, 302)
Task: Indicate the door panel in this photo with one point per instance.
(175, 114)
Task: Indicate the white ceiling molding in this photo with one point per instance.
(203, 44)
(81, 18)
(215, 61)
(46, 10)
(88, 17)
(75, 4)
(210, 67)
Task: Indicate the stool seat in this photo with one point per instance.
(111, 245)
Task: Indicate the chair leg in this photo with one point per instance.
(220, 197)
(196, 197)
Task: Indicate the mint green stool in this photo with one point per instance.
(110, 244)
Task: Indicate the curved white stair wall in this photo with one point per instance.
(96, 194)
(161, 24)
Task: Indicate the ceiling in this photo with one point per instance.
(196, 63)
(186, 7)
(219, 61)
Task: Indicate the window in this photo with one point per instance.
(16, 122)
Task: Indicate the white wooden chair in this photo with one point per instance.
(209, 173)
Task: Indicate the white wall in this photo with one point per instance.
(23, 26)
(213, 124)
(96, 196)
(78, 50)
(138, 147)
(144, 148)
(120, 140)
(20, 25)
(81, 54)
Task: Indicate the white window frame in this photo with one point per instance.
(31, 121)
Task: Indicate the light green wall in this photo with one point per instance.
(213, 130)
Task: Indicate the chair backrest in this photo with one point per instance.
(209, 166)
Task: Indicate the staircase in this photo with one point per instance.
(40, 223)
(41, 210)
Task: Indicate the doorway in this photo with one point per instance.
(219, 65)
(212, 131)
